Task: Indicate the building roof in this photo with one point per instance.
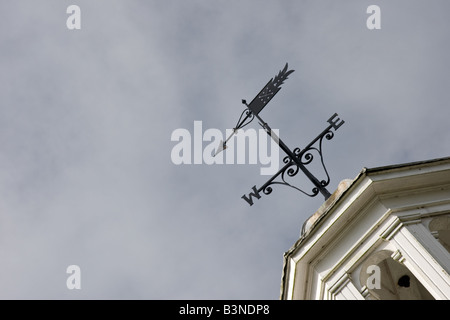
(345, 187)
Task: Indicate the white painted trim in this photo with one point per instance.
(422, 264)
(409, 193)
(344, 288)
(432, 245)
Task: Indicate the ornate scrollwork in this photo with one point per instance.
(329, 135)
(267, 190)
(290, 170)
(306, 157)
(298, 160)
(249, 118)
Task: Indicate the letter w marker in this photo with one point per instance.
(255, 194)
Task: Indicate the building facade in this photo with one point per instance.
(384, 235)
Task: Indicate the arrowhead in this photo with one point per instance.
(222, 146)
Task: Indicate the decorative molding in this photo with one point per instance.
(411, 219)
(344, 288)
(428, 263)
(397, 256)
(365, 292)
(402, 200)
(391, 229)
(435, 234)
(339, 285)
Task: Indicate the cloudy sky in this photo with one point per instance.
(86, 118)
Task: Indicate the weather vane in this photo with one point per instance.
(295, 160)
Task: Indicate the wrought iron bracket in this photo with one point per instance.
(298, 160)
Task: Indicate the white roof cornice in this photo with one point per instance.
(352, 197)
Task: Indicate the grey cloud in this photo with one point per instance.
(86, 118)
